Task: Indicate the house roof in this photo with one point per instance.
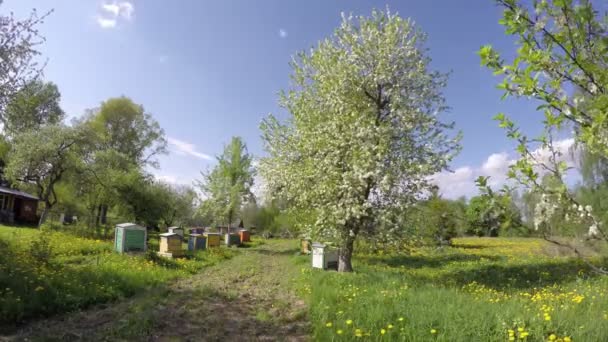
(17, 193)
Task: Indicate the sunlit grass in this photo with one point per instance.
(69, 273)
(479, 290)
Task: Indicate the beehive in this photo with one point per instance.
(305, 246)
(213, 239)
(176, 230)
(232, 239)
(170, 245)
(130, 237)
(197, 230)
(245, 236)
(197, 242)
(324, 257)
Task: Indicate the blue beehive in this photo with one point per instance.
(197, 230)
(197, 242)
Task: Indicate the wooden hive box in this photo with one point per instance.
(245, 236)
(130, 237)
(324, 257)
(213, 239)
(232, 239)
(170, 245)
(176, 230)
(197, 242)
(305, 246)
(196, 230)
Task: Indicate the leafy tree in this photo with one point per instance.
(442, 219)
(561, 62)
(228, 185)
(178, 206)
(34, 106)
(492, 213)
(123, 126)
(363, 133)
(19, 40)
(121, 141)
(42, 158)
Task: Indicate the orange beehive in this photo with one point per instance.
(245, 236)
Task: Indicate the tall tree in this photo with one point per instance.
(123, 140)
(228, 185)
(124, 127)
(561, 62)
(34, 106)
(363, 133)
(42, 158)
(19, 40)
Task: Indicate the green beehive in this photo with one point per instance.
(130, 237)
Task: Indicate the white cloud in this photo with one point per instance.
(185, 148)
(112, 12)
(106, 23)
(461, 182)
(282, 33)
(455, 184)
(167, 179)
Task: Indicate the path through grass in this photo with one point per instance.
(249, 297)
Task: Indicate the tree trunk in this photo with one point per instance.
(104, 214)
(43, 215)
(345, 255)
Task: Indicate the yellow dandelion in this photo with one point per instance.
(328, 324)
(349, 321)
(552, 337)
(433, 331)
(390, 326)
(401, 319)
(520, 329)
(339, 332)
(382, 331)
(567, 339)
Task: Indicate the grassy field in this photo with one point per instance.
(51, 272)
(482, 289)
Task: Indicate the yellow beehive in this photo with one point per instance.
(213, 239)
(170, 245)
(305, 246)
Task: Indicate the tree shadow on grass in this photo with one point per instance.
(522, 276)
(290, 251)
(415, 261)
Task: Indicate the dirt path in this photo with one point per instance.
(247, 298)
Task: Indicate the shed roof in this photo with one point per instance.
(17, 193)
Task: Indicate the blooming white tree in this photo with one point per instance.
(363, 134)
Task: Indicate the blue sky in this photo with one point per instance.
(209, 70)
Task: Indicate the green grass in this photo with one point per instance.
(477, 290)
(52, 272)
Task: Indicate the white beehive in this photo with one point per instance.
(324, 257)
(176, 230)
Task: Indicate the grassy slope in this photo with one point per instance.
(63, 273)
(477, 291)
